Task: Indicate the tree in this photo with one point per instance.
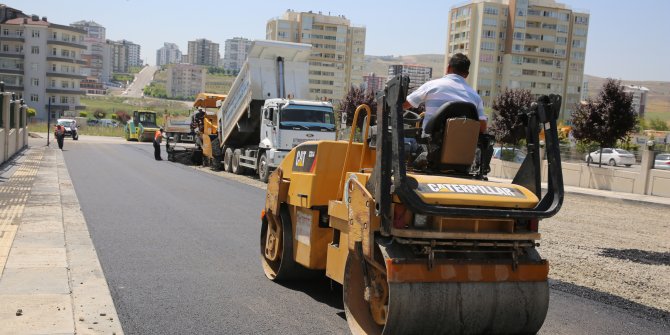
(122, 116)
(355, 97)
(506, 123)
(607, 118)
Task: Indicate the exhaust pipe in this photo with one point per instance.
(280, 78)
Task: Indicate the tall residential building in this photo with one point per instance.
(338, 50)
(42, 62)
(203, 52)
(538, 45)
(639, 98)
(235, 53)
(418, 74)
(185, 80)
(373, 83)
(94, 55)
(168, 54)
(123, 55)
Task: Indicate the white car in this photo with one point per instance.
(662, 162)
(612, 157)
(509, 154)
(70, 126)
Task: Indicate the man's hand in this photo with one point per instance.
(482, 126)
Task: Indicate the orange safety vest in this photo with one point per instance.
(59, 130)
(158, 136)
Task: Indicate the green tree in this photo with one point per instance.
(658, 124)
(506, 121)
(606, 119)
(99, 114)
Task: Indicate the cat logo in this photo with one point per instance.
(471, 189)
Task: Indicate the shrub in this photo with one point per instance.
(99, 114)
(83, 114)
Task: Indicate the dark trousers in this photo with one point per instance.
(60, 139)
(157, 151)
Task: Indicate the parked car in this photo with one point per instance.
(92, 122)
(509, 154)
(662, 161)
(612, 157)
(70, 126)
(107, 123)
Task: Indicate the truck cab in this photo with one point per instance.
(287, 123)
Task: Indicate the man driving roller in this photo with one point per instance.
(451, 87)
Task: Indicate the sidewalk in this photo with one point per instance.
(51, 281)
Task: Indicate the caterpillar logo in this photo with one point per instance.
(305, 158)
(471, 189)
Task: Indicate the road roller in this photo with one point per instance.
(406, 220)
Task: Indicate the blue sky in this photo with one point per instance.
(627, 39)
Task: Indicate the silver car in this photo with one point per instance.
(662, 162)
(612, 156)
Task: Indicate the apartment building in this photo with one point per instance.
(168, 54)
(338, 50)
(373, 83)
(185, 80)
(418, 74)
(639, 98)
(94, 55)
(42, 62)
(235, 53)
(203, 52)
(123, 55)
(538, 45)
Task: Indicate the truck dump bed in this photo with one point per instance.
(259, 79)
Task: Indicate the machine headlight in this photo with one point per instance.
(420, 221)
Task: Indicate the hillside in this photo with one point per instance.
(658, 103)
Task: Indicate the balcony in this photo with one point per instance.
(12, 38)
(12, 54)
(64, 59)
(65, 75)
(74, 91)
(65, 106)
(70, 44)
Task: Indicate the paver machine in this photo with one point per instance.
(429, 249)
(141, 127)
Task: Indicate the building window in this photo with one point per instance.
(34, 98)
(490, 10)
(490, 22)
(64, 100)
(5, 48)
(52, 99)
(488, 46)
(561, 28)
(580, 31)
(581, 20)
(36, 33)
(35, 50)
(35, 81)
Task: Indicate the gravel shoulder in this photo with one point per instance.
(613, 251)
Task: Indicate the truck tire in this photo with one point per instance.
(216, 155)
(236, 168)
(263, 168)
(227, 160)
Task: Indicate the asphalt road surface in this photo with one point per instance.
(180, 251)
(142, 79)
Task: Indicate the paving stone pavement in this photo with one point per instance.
(51, 281)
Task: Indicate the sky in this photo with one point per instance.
(627, 39)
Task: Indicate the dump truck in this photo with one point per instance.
(430, 248)
(265, 113)
(141, 127)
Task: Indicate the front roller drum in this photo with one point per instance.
(441, 307)
(276, 249)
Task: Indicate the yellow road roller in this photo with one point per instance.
(407, 221)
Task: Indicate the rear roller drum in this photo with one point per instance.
(440, 308)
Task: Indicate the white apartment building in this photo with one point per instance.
(538, 45)
(639, 98)
(42, 62)
(203, 52)
(94, 55)
(338, 50)
(122, 55)
(418, 74)
(185, 80)
(235, 53)
(168, 54)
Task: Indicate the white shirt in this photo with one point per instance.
(437, 92)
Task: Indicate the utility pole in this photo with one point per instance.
(48, 121)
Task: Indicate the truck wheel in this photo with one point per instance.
(236, 168)
(227, 160)
(263, 168)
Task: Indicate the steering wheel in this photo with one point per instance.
(409, 116)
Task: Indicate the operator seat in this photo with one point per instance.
(453, 135)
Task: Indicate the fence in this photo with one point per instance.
(13, 130)
(646, 180)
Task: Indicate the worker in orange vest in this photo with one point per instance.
(158, 137)
(59, 133)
